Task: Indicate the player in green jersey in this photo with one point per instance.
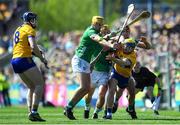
(81, 61)
(99, 78)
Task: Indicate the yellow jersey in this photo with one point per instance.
(21, 46)
(125, 70)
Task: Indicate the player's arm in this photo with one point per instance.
(103, 42)
(143, 43)
(35, 48)
(120, 61)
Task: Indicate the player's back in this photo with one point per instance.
(20, 39)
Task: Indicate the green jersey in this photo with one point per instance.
(87, 46)
(102, 64)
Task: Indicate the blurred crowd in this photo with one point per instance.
(60, 48)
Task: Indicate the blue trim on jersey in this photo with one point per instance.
(22, 64)
(31, 36)
(122, 81)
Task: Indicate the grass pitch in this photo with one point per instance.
(18, 115)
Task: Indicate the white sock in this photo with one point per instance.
(156, 103)
(87, 107)
(97, 110)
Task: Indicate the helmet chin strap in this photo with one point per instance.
(33, 26)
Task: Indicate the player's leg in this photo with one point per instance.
(82, 70)
(95, 76)
(131, 90)
(100, 101)
(110, 97)
(30, 92)
(88, 99)
(154, 100)
(118, 94)
(84, 80)
(36, 78)
(156, 104)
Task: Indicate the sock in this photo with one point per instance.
(109, 111)
(29, 108)
(34, 108)
(70, 105)
(97, 110)
(34, 111)
(105, 112)
(87, 107)
(131, 108)
(156, 103)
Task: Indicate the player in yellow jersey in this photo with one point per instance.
(24, 45)
(124, 60)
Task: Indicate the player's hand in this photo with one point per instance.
(109, 57)
(116, 46)
(143, 39)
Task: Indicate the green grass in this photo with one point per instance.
(18, 115)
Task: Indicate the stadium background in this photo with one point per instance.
(61, 25)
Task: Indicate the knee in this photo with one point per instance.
(31, 87)
(39, 88)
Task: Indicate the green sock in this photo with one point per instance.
(131, 107)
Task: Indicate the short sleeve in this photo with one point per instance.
(30, 31)
(91, 32)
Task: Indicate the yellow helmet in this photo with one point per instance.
(97, 20)
(130, 42)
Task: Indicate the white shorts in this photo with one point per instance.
(99, 78)
(80, 65)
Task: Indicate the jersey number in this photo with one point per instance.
(16, 37)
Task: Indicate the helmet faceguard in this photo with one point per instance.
(129, 45)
